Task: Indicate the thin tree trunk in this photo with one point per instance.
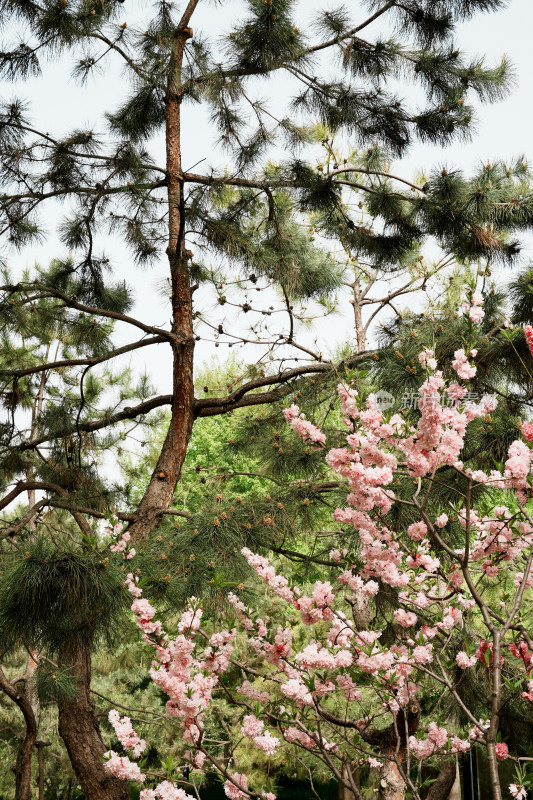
(40, 751)
(27, 742)
(360, 333)
(495, 718)
(78, 727)
(23, 763)
(160, 490)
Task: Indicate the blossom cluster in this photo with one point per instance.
(122, 545)
(127, 737)
(472, 306)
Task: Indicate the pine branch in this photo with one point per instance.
(70, 302)
(76, 362)
(347, 34)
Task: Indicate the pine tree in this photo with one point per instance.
(247, 217)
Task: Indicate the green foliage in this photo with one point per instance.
(54, 683)
(54, 591)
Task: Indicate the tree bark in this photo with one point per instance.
(391, 783)
(78, 727)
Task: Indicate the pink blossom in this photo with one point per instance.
(422, 654)
(451, 616)
(266, 742)
(518, 792)
(439, 736)
(459, 745)
(199, 759)
(251, 726)
(426, 359)
(529, 694)
(318, 606)
(350, 690)
(417, 531)
(502, 751)
(250, 691)
(165, 791)
(477, 732)
(291, 412)
(265, 571)
(232, 788)
(315, 657)
(527, 431)
(132, 586)
(475, 314)
(122, 767)
(421, 748)
(293, 734)
(340, 631)
(302, 427)
(455, 391)
(127, 737)
(461, 365)
(143, 609)
(464, 660)
(405, 618)
(528, 332)
(296, 690)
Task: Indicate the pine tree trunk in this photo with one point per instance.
(160, 490)
(78, 727)
(23, 764)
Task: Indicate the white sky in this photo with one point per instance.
(58, 105)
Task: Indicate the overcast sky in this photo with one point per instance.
(504, 129)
